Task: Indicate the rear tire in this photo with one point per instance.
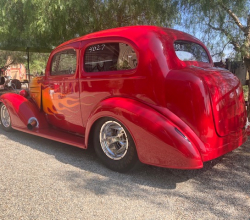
(114, 145)
(5, 118)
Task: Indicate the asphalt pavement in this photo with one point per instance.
(43, 179)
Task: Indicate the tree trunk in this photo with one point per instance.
(247, 63)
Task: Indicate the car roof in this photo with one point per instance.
(134, 33)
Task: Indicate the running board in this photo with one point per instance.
(56, 135)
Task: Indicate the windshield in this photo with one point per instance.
(189, 51)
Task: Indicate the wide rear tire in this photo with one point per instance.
(114, 145)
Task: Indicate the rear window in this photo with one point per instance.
(109, 57)
(189, 51)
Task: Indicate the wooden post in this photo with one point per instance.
(28, 62)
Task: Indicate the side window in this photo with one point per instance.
(109, 57)
(64, 63)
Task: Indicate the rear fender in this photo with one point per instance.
(157, 139)
(21, 110)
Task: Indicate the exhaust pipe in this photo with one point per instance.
(32, 123)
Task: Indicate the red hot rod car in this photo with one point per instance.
(134, 93)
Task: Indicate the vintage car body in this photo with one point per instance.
(171, 112)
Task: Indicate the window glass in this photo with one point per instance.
(64, 63)
(188, 51)
(109, 57)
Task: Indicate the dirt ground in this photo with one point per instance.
(43, 179)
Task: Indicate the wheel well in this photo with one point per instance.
(91, 136)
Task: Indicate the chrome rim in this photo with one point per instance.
(5, 117)
(113, 140)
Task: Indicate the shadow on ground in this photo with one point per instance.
(142, 174)
(223, 182)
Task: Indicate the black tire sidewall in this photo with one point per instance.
(122, 165)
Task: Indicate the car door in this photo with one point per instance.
(61, 90)
(108, 69)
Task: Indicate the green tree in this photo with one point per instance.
(47, 23)
(18, 29)
(65, 19)
(219, 23)
(38, 62)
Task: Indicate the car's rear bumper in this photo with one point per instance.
(225, 145)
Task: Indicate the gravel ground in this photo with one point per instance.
(43, 179)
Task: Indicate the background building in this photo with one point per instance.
(16, 71)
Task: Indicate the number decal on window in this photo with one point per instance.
(97, 47)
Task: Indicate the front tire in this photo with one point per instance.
(5, 118)
(114, 145)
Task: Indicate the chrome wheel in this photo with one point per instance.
(113, 140)
(5, 117)
(113, 144)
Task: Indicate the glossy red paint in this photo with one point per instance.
(21, 110)
(179, 113)
(24, 93)
(155, 136)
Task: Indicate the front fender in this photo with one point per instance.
(21, 110)
(156, 138)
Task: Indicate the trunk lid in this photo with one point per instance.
(227, 100)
